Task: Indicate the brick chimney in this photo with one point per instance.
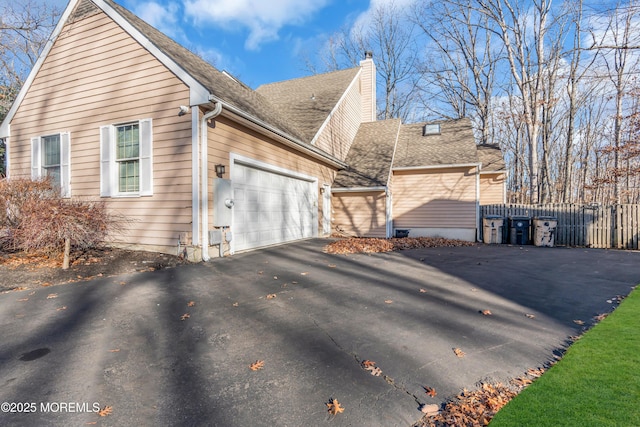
(368, 88)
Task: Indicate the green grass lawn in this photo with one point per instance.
(597, 382)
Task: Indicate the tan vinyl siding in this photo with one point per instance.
(338, 134)
(360, 214)
(229, 136)
(440, 198)
(492, 188)
(97, 75)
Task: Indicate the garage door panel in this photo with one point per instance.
(271, 207)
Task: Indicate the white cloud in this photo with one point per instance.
(263, 19)
(163, 17)
(363, 21)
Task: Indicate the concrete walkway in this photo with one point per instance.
(122, 342)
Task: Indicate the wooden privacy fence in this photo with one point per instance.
(595, 226)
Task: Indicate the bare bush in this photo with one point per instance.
(34, 216)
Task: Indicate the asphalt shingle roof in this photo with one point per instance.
(454, 145)
(219, 84)
(308, 101)
(491, 157)
(370, 156)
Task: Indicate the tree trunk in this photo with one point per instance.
(67, 253)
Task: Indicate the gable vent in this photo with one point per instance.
(431, 129)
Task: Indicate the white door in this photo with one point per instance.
(271, 206)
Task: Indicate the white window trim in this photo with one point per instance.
(108, 166)
(65, 161)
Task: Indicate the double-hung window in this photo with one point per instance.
(50, 158)
(126, 167)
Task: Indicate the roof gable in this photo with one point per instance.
(371, 155)
(309, 101)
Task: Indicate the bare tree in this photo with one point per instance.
(24, 30)
(389, 34)
(461, 66)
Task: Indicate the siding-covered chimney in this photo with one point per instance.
(368, 88)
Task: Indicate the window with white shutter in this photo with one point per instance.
(126, 167)
(51, 159)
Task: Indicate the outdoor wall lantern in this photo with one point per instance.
(219, 170)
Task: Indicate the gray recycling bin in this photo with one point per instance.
(492, 226)
(519, 230)
(544, 230)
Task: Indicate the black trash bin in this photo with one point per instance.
(519, 227)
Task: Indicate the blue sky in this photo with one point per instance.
(258, 41)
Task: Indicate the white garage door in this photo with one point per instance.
(271, 206)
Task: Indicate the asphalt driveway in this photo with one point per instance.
(136, 344)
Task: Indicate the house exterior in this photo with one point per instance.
(115, 109)
(493, 176)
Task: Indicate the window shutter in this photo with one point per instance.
(106, 155)
(36, 158)
(65, 164)
(146, 158)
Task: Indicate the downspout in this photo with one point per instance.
(478, 221)
(204, 187)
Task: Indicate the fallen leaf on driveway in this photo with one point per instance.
(531, 316)
(185, 316)
(578, 322)
(486, 312)
(105, 411)
(430, 391)
(388, 301)
(334, 407)
(271, 296)
(458, 352)
(23, 299)
(258, 364)
(114, 350)
(61, 308)
(367, 363)
(52, 296)
(600, 317)
(535, 373)
(191, 303)
(235, 304)
(304, 274)
(331, 266)
(423, 290)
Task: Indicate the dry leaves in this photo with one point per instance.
(388, 301)
(372, 245)
(370, 366)
(185, 316)
(430, 391)
(458, 352)
(52, 296)
(334, 407)
(61, 308)
(105, 411)
(472, 408)
(271, 296)
(422, 291)
(191, 304)
(257, 365)
(531, 316)
(600, 317)
(578, 322)
(486, 312)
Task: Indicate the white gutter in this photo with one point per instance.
(455, 165)
(358, 189)
(260, 126)
(204, 187)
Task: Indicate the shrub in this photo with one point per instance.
(33, 216)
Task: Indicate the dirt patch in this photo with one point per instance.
(21, 270)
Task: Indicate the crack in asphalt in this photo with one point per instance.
(389, 380)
